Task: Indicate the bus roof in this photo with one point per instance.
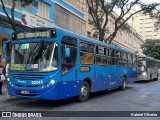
(94, 41)
(80, 37)
(150, 58)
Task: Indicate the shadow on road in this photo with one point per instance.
(145, 81)
(107, 92)
(50, 104)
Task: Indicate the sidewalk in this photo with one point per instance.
(4, 90)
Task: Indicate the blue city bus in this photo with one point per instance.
(53, 63)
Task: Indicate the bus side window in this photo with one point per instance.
(134, 60)
(129, 60)
(109, 57)
(125, 59)
(119, 60)
(87, 53)
(113, 57)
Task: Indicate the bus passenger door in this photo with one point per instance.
(69, 67)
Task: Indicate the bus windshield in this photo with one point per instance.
(142, 66)
(41, 57)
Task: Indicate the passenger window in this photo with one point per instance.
(87, 53)
(109, 56)
(130, 62)
(119, 60)
(125, 59)
(87, 58)
(134, 61)
(101, 60)
(113, 57)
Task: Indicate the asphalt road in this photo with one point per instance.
(139, 96)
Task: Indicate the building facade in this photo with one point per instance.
(124, 39)
(144, 25)
(66, 14)
(49, 13)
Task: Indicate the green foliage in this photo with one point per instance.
(25, 3)
(151, 47)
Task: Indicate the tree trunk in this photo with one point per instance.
(12, 14)
(101, 35)
(110, 39)
(4, 9)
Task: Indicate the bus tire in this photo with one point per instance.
(124, 84)
(85, 91)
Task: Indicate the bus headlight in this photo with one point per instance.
(8, 79)
(144, 73)
(52, 82)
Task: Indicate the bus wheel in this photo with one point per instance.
(85, 91)
(124, 84)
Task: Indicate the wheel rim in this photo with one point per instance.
(84, 91)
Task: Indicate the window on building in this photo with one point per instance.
(9, 3)
(29, 7)
(43, 9)
(79, 4)
(148, 22)
(67, 20)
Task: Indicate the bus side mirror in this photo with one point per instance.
(5, 49)
(67, 52)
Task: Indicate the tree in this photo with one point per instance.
(100, 10)
(24, 3)
(151, 47)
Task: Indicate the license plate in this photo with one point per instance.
(25, 92)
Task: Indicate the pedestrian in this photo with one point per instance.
(2, 77)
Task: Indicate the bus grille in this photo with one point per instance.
(28, 76)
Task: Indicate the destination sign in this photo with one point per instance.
(140, 58)
(35, 34)
(18, 67)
